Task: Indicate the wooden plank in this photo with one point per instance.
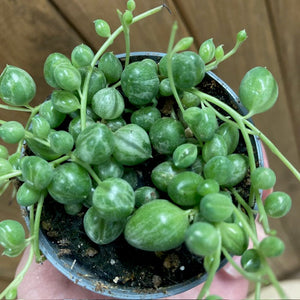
(222, 20)
(285, 21)
(30, 31)
(150, 34)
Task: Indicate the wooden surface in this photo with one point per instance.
(31, 30)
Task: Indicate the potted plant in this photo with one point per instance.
(147, 156)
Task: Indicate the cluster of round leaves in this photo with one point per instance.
(124, 129)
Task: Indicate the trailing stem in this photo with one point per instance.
(101, 51)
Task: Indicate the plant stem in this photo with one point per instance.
(58, 161)
(273, 279)
(263, 216)
(257, 290)
(29, 135)
(169, 66)
(214, 64)
(87, 167)
(102, 49)
(36, 228)
(251, 233)
(20, 276)
(245, 274)
(15, 108)
(213, 269)
(273, 148)
(10, 175)
(246, 207)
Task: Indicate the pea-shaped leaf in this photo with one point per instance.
(27, 195)
(99, 230)
(12, 237)
(258, 90)
(94, 144)
(82, 55)
(140, 83)
(111, 66)
(219, 168)
(263, 178)
(108, 103)
(203, 122)
(185, 155)
(41, 150)
(215, 147)
(74, 127)
(166, 134)
(231, 135)
(271, 246)
(102, 28)
(132, 145)
(71, 184)
(182, 188)
(162, 174)
(36, 171)
(234, 239)
(109, 168)
(207, 50)
(40, 127)
(17, 87)
(64, 101)
(61, 141)
(188, 69)
(114, 199)
(278, 204)
(50, 64)
(67, 77)
(202, 238)
(97, 81)
(251, 260)
(157, 226)
(240, 165)
(5, 166)
(216, 207)
(12, 132)
(145, 117)
(144, 195)
(53, 116)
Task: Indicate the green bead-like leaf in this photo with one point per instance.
(132, 145)
(99, 230)
(202, 238)
(102, 28)
(71, 184)
(95, 144)
(50, 64)
(17, 87)
(12, 132)
(12, 237)
(36, 171)
(207, 50)
(108, 103)
(157, 226)
(82, 55)
(64, 101)
(114, 199)
(258, 90)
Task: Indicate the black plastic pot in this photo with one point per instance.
(119, 270)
